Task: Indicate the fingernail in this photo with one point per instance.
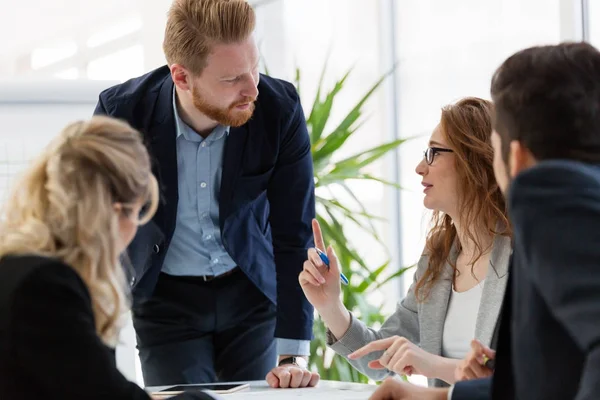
(322, 280)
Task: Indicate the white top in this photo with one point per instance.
(459, 327)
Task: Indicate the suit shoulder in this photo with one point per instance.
(278, 91)
(116, 99)
(557, 174)
(554, 188)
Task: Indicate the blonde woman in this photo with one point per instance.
(63, 291)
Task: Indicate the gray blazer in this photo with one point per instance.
(423, 322)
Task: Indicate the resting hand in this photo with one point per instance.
(291, 376)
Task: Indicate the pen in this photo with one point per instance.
(326, 261)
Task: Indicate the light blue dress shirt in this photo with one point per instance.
(196, 247)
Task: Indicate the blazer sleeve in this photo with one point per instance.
(404, 322)
(55, 341)
(100, 107)
(292, 208)
(477, 389)
(555, 213)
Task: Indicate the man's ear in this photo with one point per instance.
(519, 158)
(181, 77)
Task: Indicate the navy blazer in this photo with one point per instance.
(549, 338)
(266, 200)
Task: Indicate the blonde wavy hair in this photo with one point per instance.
(63, 207)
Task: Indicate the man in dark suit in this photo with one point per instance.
(216, 271)
(547, 160)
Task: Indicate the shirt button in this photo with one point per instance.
(216, 261)
(156, 248)
(204, 215)
(208, 237)
(203, 144)
(203, 185)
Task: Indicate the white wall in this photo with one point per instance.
(449, 50)
(593, 21)
(32, 112)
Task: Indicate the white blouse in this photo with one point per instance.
(459, 326)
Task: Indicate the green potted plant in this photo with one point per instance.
(334, 214)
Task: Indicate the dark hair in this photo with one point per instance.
(467, 126)
(548, 98)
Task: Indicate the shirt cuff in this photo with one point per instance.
(293, 347)
(450, 390)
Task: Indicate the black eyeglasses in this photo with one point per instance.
(430, 153)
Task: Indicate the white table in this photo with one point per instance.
(325, 390)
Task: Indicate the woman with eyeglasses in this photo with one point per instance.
(461, 276)
(63, 291)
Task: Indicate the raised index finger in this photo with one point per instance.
(377, 345)
(319, 243)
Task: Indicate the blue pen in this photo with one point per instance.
(326, 261)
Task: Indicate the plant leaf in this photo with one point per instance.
(340, 179)
(394, 276)
(335, 215)
(343, 130)
(317, 101)
(361, 160)
(340, 239)
(385, 182)
(336, 203)
(351, 215)
(322, 159)
(297, 80)
(320, 114)
(372, 277)
(360, 204)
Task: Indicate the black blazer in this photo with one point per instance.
(549, 340)
(267, 197)
(49, 348)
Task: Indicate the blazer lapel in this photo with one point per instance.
(493, 290)
(232, 162)
(163, 150)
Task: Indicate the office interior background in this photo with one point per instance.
(56, 55)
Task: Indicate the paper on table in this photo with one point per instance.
(313, 394)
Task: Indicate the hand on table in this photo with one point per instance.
(291, 376)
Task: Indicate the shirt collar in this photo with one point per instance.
(188, 133)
